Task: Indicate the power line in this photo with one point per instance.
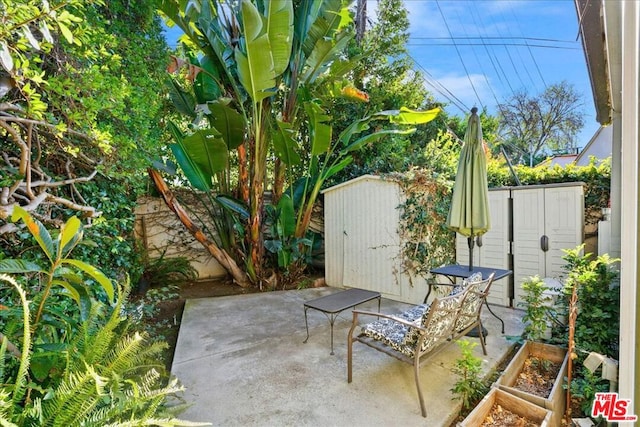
(453, 43)
(529, 50)
(439, 87)
(495, 38)
(458, 51)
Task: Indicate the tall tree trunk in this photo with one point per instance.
(226, 261)
(279, 169)
(243, 174)
(361, 20)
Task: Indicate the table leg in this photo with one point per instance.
(331, 320)
(494, 315)
(428, 293)
(306, 324)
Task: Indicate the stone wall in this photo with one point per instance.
(159, 229)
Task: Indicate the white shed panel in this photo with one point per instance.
(362, 241)
(495, 250)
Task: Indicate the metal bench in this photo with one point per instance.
(423, 330)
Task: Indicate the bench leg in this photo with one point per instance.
(416, 370)
(482, 339)
(350, 347)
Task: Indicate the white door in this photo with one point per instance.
(563, 225)
(371, 239)
(528, 229)
(545, 222)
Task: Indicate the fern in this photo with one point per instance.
(87, 367)
(19, 388)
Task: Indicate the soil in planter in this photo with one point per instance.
(500, 417)
(537, 376)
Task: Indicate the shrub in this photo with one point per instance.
(469, 388)
(84, 366)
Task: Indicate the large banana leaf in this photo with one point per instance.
(255, 67)
(208, 150)
(405, 116)
(358, 143)
(280, 32)
(320, 130)
(205, 86)
(228, 122)
(182, 100)
(331, 17)
(191, 170)
(285, 145)
(306, 15)
(322, 56)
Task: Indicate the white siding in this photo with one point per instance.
(494, 251)
(362, 241)
(555, 211)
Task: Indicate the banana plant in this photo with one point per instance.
(259, 77)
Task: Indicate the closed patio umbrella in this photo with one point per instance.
(469, 212)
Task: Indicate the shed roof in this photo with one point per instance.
(356, 180)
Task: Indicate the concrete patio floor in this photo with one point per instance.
(243, 363)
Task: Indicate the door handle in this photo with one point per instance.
(544, 243)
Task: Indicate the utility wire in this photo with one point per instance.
(453, 43)
(529, 50)
(439, 87)
(458, 51)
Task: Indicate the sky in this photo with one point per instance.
(480, 52)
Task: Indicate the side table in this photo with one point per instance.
(332, 305)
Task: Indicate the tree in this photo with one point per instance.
(549, 121)
(386, 72)
(264, 77)
(78, 100)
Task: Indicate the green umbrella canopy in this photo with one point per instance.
(469, 212)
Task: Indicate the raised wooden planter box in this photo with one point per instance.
(556, 400)
(509, 402)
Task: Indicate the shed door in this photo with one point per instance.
(564, 215)
(528, 228)
(371, 241)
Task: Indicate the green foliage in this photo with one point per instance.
(598, 321)
(427, 243)
(597, 179)
(386, 72)
(584, 387)
(537, 309)
(469, 388)
(281, 82)
(63, 271)
(97, 373)
(164, 270)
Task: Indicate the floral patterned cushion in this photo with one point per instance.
(475, 277)
(471, 306)
(393, 333)
(404, 338)
(441, 324)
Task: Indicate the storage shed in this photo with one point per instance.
(362, 240)
(530, 227)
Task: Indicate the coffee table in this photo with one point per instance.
(332, 305)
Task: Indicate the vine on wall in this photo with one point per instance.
(426, 241)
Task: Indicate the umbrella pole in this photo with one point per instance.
(471, 245)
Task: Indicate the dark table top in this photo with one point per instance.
(457, 270)
(342, 300)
